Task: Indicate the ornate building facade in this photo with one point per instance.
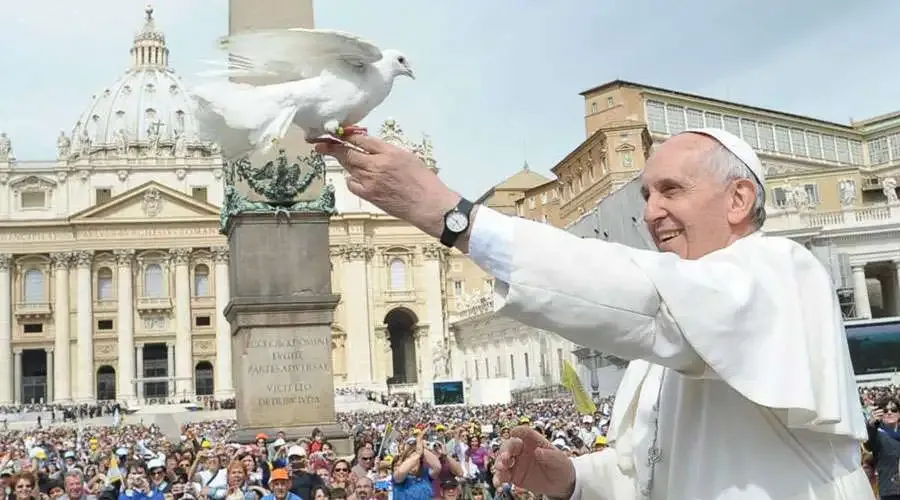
(114, 277)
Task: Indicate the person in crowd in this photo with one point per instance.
(414, 471)
(74, 485)
(303, 481)
(884, 446)
(725, 328)
(280, 485)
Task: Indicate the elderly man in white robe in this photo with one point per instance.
(740, 386)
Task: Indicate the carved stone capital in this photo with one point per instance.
(220, 254)
(357, 251)
(433, 251)
(61, 260)
(17, 351)
(5, 261)
(124, 257)
(49, 350)
(180, 255)
(83, 258)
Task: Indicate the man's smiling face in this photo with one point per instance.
(691, 209)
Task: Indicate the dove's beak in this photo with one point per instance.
(409, 72)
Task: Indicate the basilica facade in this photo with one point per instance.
(114, 276)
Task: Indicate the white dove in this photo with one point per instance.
(323, 81)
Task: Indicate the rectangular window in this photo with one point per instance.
(694, 118)
(656, 117)
(856, 153)
(814, 145)
(104, 324)
(798, 142)
(779, 197)
(202, 321)
(527, 367)
(843, 149)
(732, 125)
(487, 368)
(783, 140)
(102, 195)
(829, 151)
(199, 193)
(675, 115)
(499, 369)
(33, 328)
(895, 147)
(713, 120)
(457, 288)
(512, 366)
(812, 192)
(766, 137)
(748, 131)
(878, 151)
(33, 199)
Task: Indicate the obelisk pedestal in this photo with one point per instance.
(280, 313)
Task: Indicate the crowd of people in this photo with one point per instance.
(406, 451)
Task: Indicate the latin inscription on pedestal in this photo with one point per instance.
(287, 377)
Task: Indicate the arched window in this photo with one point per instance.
(201, 280)
(34, 286)
(105, 284)
(153, 281)
(398, 274)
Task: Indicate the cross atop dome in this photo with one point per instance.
(149, 50)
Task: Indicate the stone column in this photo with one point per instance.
(6, 355)
(50, 371)
(85, 322)
(139, 371)
(62, 318)
(17, 376)
(125, 328)
(355, 296)
(184, 357)
(170, 368)
(223, 379)
(433, 256)
(897, 286)
(861, 293)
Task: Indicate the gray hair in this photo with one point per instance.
(730, 168)
(75, 473)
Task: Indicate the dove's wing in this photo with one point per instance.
(294, 54)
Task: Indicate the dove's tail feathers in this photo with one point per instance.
(276, 129)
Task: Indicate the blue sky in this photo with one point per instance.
(497, 81)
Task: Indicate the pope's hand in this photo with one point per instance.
(395, 180)
(528, 460)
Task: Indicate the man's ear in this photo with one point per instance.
(743, 198)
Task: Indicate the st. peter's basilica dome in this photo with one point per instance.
(147, 111)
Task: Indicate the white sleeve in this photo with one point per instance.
(587, 290)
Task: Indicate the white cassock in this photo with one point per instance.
(741, 387)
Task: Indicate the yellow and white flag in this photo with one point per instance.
(583, 402)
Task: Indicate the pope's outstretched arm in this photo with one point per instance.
(760, 314)
(589, 291)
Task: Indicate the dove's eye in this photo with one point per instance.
(401, 60)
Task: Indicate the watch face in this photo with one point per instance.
(457, 222)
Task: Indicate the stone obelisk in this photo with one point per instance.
(282, 306)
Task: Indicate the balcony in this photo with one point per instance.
(154, 305)
(399, 295)
(859, 219)
(33, 310)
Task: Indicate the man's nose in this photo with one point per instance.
(654, 211)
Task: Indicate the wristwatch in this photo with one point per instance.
(456, 221)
